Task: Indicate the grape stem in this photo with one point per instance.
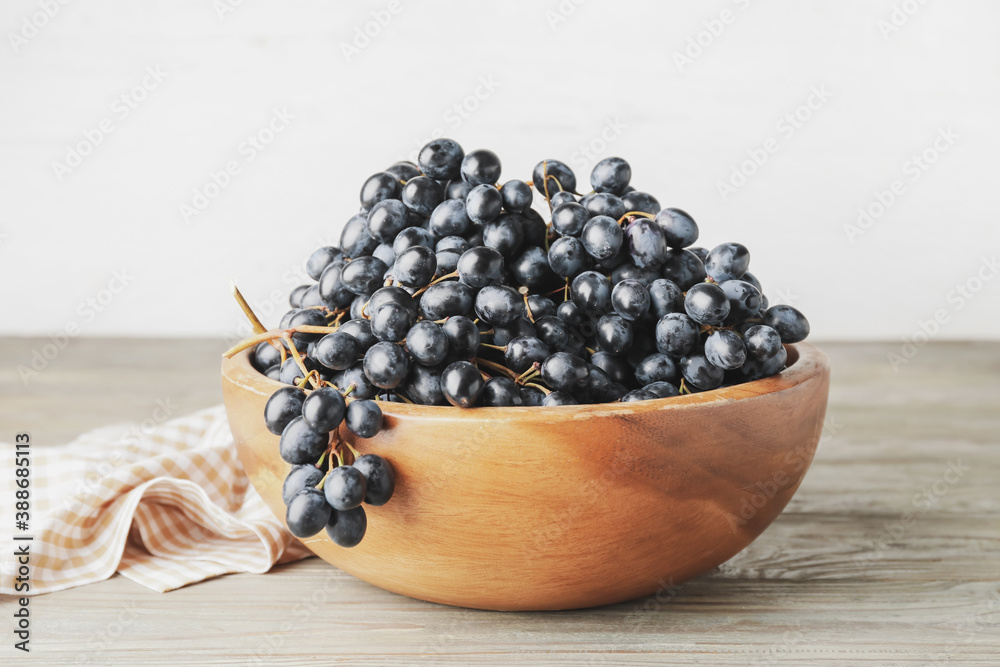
(255, 322)
(539, 388)
(497, 367)
(641, 214)
(301, 364)
(284, 334)
(528, 374)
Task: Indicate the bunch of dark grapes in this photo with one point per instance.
(450, 287)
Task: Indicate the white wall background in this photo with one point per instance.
(561, 73)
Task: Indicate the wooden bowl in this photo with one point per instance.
(563, 507)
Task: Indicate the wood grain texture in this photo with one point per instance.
(562, 508)
(835, 580)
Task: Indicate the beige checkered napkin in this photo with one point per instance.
(165, 506)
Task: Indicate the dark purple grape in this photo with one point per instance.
(499, 305)
(484, 203)
(602, 237)
(337, 350)
(323, 410)
(559, 398)
(390, 322)
(630, 299)
(662, 389)
(307, 513)
(462, 383)
(676, 334)
(463, 337)
(364, 418)
(345, 488)
(282, 407)
(427, 343)
(523, 351)
(591, 292)
(381, 186)
(728, 261)
(679, 229)
(423, 385)
(500, 392)
(355, 376)
(725, 349)
(604, 203)
(320, 259)
(441, 159)
(567, 257)
(554, 176)
(531, 267)
(683, 267)
(569, 219)
(505, 234)
(364, 275)
(641, 201)
(347, 529)
(706, 303)
(565, 372)
(744, 300)
(380, 478)
(404, 170)
(449, 219)
(415, 266)
(264, 356)
(790, 324)
(410, 237)
(422, 195)
(558, 199)
(639, 395)
(665, 297)
(762, 341)
(614, 334)
(611, 174)
(300, 477)
(355, 240)
(480, 266)
(656, 368)
(300, 444)
(481, 166)
(516, 196)
(701, 373)
(361, 331)
(387, 219)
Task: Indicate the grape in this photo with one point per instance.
(264, 356)
(363, 275)
(415, 266)
(462, 384)
(481, 166)
(700, 372)
(345, 488)
(300, 477)
(463, 337)
(762, 341)
(559, 398)
(662, 389)
(387, 219)
(423, 385)
(683, 267)
(410, 237)
(337, 350)
(300, 444)
(447, 300)
(282, 407)
(612, 175)
(725, 349)
(320, 259)
(565, 372)
(630, 299)
(642, 202)
(567, 257)
(646, 244)
(614, 333)
(347, 529)
(381, 186)
(676, 334)
(639, 395)
(390, 322)
(557, 199)
(448, 219)
(516, 196)
(604, 203)
(364, 418)
(380, 479)
(706, 303)
(498, 305)
(323, 410)
(505, 234)
(307, 513)
(441, 159)
(531, 267)
(679, 229)
(665, 297)
(744, 300)
(569, 219)
(481, 266)
(404, 171)
(790, 324)
(355, 241)
(727, 262)
(500, 392)
(559, 177)
(427, 343)
(523, 351)
(591, 292)
(386, 363)
(602, 237)
(656, 368)
(484, 203)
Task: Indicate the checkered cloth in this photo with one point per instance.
(165, 505)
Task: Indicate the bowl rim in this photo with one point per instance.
(805, 362)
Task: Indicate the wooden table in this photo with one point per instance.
(888, 554)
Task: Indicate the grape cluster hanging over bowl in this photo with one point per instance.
(449, 288)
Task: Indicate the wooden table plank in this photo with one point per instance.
(883, 557)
